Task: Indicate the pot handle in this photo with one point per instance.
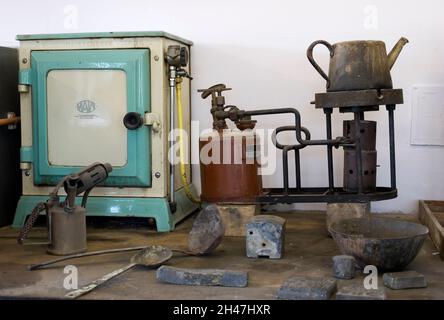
(313, 62)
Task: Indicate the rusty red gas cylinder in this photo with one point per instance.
(229, 166)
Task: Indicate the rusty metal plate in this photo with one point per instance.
(360, 98)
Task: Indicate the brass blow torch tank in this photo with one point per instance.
(229, 158)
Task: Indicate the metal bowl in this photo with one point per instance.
(388, 244)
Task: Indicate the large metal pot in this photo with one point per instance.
(388, 244)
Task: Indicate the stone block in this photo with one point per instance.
(340, 211)
(265, 237)
(236, 216)
(207, 231)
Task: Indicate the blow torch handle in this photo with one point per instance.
(42, 206)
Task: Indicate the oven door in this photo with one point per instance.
(80, 98)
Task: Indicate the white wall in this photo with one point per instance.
(258, 48)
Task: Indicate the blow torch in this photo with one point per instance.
(66, 221)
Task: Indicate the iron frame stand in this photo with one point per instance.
(356, 102)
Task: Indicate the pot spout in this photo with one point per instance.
(394, 53)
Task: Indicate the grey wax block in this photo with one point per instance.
(307, 288)
(358, 292)
(404, 280)
(344, 267)
(202, 277)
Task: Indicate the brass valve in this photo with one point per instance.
(221, 112)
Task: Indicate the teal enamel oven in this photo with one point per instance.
(75, 90)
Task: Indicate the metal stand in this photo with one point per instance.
(356, 102)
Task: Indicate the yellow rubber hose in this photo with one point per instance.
(183, 173)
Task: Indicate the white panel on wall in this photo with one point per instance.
(427, 115)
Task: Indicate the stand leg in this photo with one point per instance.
(285, 169)
(390, 109)
(297, 164)
(331, 183)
